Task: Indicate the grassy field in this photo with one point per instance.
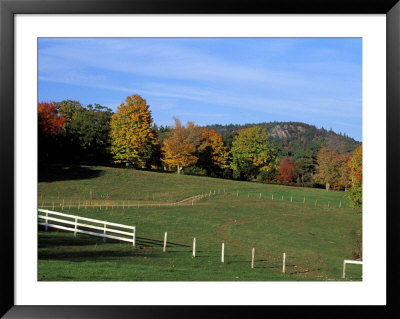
(315, 228)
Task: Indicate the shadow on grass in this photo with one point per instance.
(148, 242)
(57, 241)
(237, 261)
(94, 254)
(63, 172)
(268, 267)
(64, 246)
(65, 238)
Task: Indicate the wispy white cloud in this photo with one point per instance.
(267, 78)
(167, 61)
(327, 106)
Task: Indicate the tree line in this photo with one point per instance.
(68, 131)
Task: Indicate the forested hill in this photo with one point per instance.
(293, 135)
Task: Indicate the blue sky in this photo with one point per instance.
(212, 80)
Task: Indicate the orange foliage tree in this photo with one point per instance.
(344, 170)
(328, 168)
(180, 146)
(212, 153)
(356, 165)
(132, 138)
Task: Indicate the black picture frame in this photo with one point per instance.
(8, 8)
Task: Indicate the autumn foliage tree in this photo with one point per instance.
(181, 144)
(344, 179)
(328, 168)
(50, 128)
(132, 138)
(253, 154)
(212, 153)
(49, 121)
(287, 170)
(354, 193)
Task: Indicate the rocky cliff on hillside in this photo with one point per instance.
(291, 135)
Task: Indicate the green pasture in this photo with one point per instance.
(316, 236)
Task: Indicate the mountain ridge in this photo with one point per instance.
(290, 135)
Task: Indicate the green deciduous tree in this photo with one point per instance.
(90, 127)
(305, 158)
(253, 154)
(133, 139)
(87, 129)
(67, 108)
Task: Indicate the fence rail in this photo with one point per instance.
(104, 226)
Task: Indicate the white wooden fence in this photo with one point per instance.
(72, 223)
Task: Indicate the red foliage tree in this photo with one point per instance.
(50, 123)
(287, 170)
(50, 130)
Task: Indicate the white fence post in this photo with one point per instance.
(76, 226)
(194, 247)
(105, 230)
(47, 226)
(165, 242)
(222, 254)
(252, 258)
(134, 236)
(344, 268)
(284, 262)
